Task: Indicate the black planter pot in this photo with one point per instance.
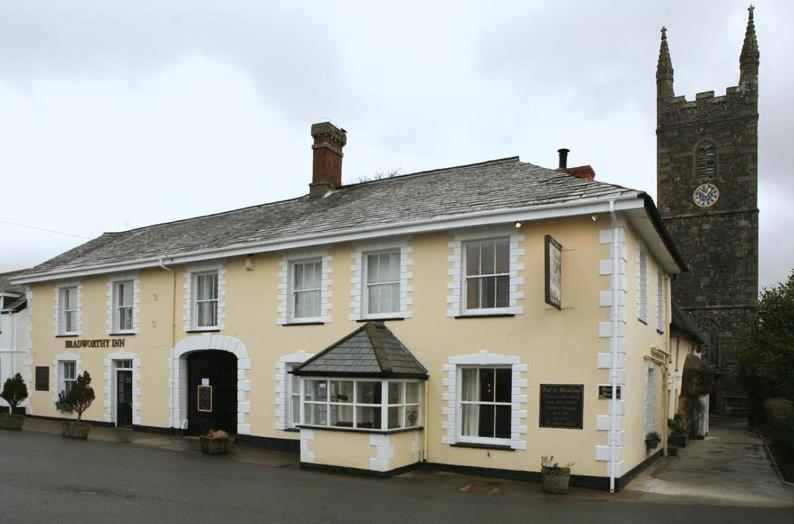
(678, 440)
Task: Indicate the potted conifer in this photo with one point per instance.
(79, 398)
(14, 392)
(652, 440)
(553, 477)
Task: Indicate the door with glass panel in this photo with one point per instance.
(124, 398)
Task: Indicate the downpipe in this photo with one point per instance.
(614, 344)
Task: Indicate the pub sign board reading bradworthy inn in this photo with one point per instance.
(95, 343)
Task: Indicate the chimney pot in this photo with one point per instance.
(329, 141)
(563, 157)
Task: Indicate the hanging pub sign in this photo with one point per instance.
(553, 263)
(204, 401)
(605, 391)
(561, 405)
(94, 343)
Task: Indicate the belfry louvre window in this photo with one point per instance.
(205, 306)
(706, 160)
(306, 286)
(383, 282)
(487, 266)
(68, 310)
(485, 403)
(122, 305)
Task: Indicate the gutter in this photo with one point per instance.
(440, 223)
(613, 372)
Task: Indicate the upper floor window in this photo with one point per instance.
(660, 302)
(122, 305)
(487, 274)
(382, 281)
(706, 160)
(642, 285)
(205, 301)
(67, 314)
(305, 291)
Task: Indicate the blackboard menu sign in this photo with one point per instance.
(204, 399)
(561, 405)
(42, 378)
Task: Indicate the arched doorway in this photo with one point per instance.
(212, 392)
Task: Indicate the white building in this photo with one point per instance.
(14, 334)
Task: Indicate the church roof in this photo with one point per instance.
(370, 351)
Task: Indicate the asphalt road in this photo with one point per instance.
(45, 478)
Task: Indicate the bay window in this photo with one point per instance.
(363, 404)
(485, 404)
(487, 274)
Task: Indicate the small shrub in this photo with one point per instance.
(548, 464)
(80, 396)
(652, 440)
(14, 391)
(216, 434)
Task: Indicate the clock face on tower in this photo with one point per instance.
(706, 195)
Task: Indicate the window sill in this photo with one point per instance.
(123, 334)
(355, 430)
(292, 430)
(309, 323)
(380, 319)
(67, 335)
(500, 447)
(203, 330)
(486, 315)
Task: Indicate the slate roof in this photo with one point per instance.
(370, 351)
(7, 286)
(684, 323)
(497, 184)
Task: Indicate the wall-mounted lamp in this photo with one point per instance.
(519, 224)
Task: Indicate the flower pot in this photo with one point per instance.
(555, 480)
(8, 421)
(678, 440)
(76, 430)
(214, 446)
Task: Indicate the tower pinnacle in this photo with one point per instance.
(750, 57)
(664, 70)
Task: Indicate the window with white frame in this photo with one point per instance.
(68, 375)
(660, 310)
(487, 274)
(642, 285)
(122, 305)
(485, 404)
(306, 283)
(361, 403)
(205, 299)
(293, 397)
(382, 282)
(67, 316)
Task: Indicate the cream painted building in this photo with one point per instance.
(471, 318)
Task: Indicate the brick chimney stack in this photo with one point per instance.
(586, 172)
(327, 168)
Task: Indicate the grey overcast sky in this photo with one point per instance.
(115, 115)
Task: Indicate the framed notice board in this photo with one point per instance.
(204, 400)
(561, 406)
(42, 378)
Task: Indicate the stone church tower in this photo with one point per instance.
(707, 178)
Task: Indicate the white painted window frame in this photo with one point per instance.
(642, 284)
(113, 305)
(292, 292)
(60, 311)
(469, 439)
(189, 302)
(464, 278)
(62, 374)
(358, 288)
(660, 301)
(284, 391)
(365, 285)
(384, 404)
